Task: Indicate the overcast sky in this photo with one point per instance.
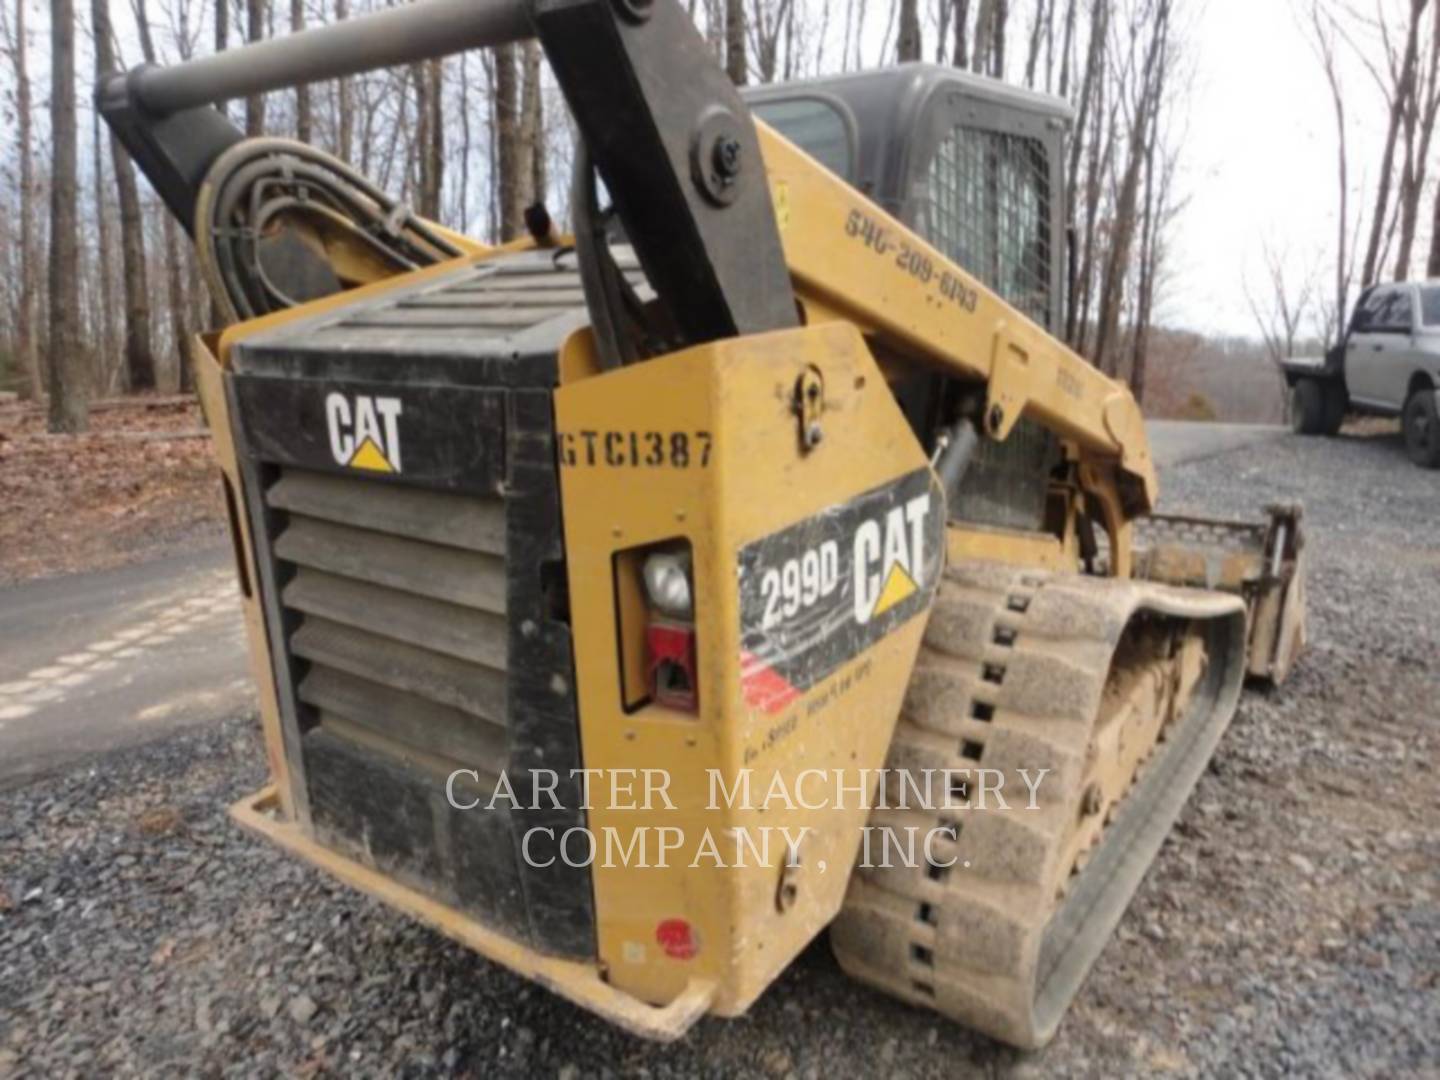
(1259, 160)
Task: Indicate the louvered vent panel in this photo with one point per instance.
(400, 594)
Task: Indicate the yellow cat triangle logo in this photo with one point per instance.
(899, 586)
(369, 456)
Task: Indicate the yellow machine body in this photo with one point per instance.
(753, 879)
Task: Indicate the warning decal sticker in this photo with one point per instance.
(820, 592)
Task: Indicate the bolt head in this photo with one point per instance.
(727, 157)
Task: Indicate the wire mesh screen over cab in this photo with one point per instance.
(988, 208)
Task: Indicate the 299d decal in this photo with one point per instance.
(820, 592)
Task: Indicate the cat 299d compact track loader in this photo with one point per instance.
(634, 606)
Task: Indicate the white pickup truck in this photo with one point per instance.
(1387, 365)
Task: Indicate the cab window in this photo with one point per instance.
(1367, 311)
(1384, 310)
(988, 208)
(1397, 317)
(814, 126)
(1430, 305)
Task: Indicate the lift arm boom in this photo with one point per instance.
(696, 184)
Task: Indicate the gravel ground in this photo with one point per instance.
(1290, 926)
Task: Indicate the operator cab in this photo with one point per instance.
(975, 166)
(972, 164)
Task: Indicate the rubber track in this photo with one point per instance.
(1011, 676)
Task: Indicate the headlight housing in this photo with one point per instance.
(667, 584)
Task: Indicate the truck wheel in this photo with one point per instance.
(1335, 403)
(1421, 424)
(1307, 407)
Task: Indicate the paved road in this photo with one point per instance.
(92, 662)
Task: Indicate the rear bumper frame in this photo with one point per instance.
(584, 984)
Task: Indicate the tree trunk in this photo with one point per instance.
(961, 56)
(302, 92)
(255, 104)
(345, 91)
(532, 125)
(69, 389)
(1432, 265)
(1420, 116)
(735, 65)
(1038, 33)
(507, 149)
(175, 295)
(430, 138)
(222, 36)
(1404, 83)
(980, 47)
(104, 244)
(1150, 254)
(908, 46)
(1066, 46)
(997, 38)
(1088, 119)
(139, 352)
(1117, 263)
(25, 320)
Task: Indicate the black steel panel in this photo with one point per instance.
(544, 720)
(446, 436)
(367, 576)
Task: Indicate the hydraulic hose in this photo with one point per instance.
(261, 188)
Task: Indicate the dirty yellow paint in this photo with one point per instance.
(757, 481)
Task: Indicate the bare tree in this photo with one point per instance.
(1067, 42)
(430, 135)
(991, 22)
(767, 24)
(1143, 111)
(104, 260)
(69, 382)
(1279, 311)
(1039, 27)
(907, 46)
(255, 15)
(1402, 74)
(960, 55)
(174, 285)
(302, 92)
(1160, 167)
(1420, 108)
(345, 94)
(139, 355)
(532, 125)
(26, 315)
(1325, 33)
(1089, 140)
(507, 144)
(1432, 265)
(735, 64)
(222, 31)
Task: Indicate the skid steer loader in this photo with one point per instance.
(772, 477)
